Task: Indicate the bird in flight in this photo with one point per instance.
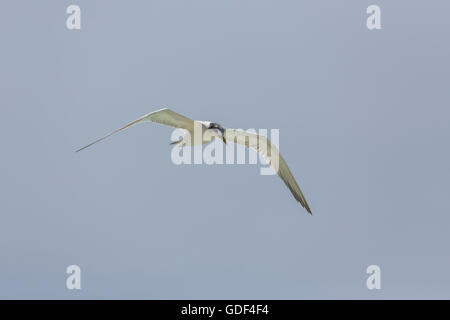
(212, 130)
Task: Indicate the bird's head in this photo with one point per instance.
(217, 129)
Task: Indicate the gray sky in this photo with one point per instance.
(364, 126)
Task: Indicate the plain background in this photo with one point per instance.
(364, 126)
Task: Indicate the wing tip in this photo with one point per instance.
(85, 147)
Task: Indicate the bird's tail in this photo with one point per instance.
(176, 142)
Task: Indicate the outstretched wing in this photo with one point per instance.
(162, 116)
(270, 153)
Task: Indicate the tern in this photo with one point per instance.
(213, 130)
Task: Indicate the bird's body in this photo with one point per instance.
(201, 132)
